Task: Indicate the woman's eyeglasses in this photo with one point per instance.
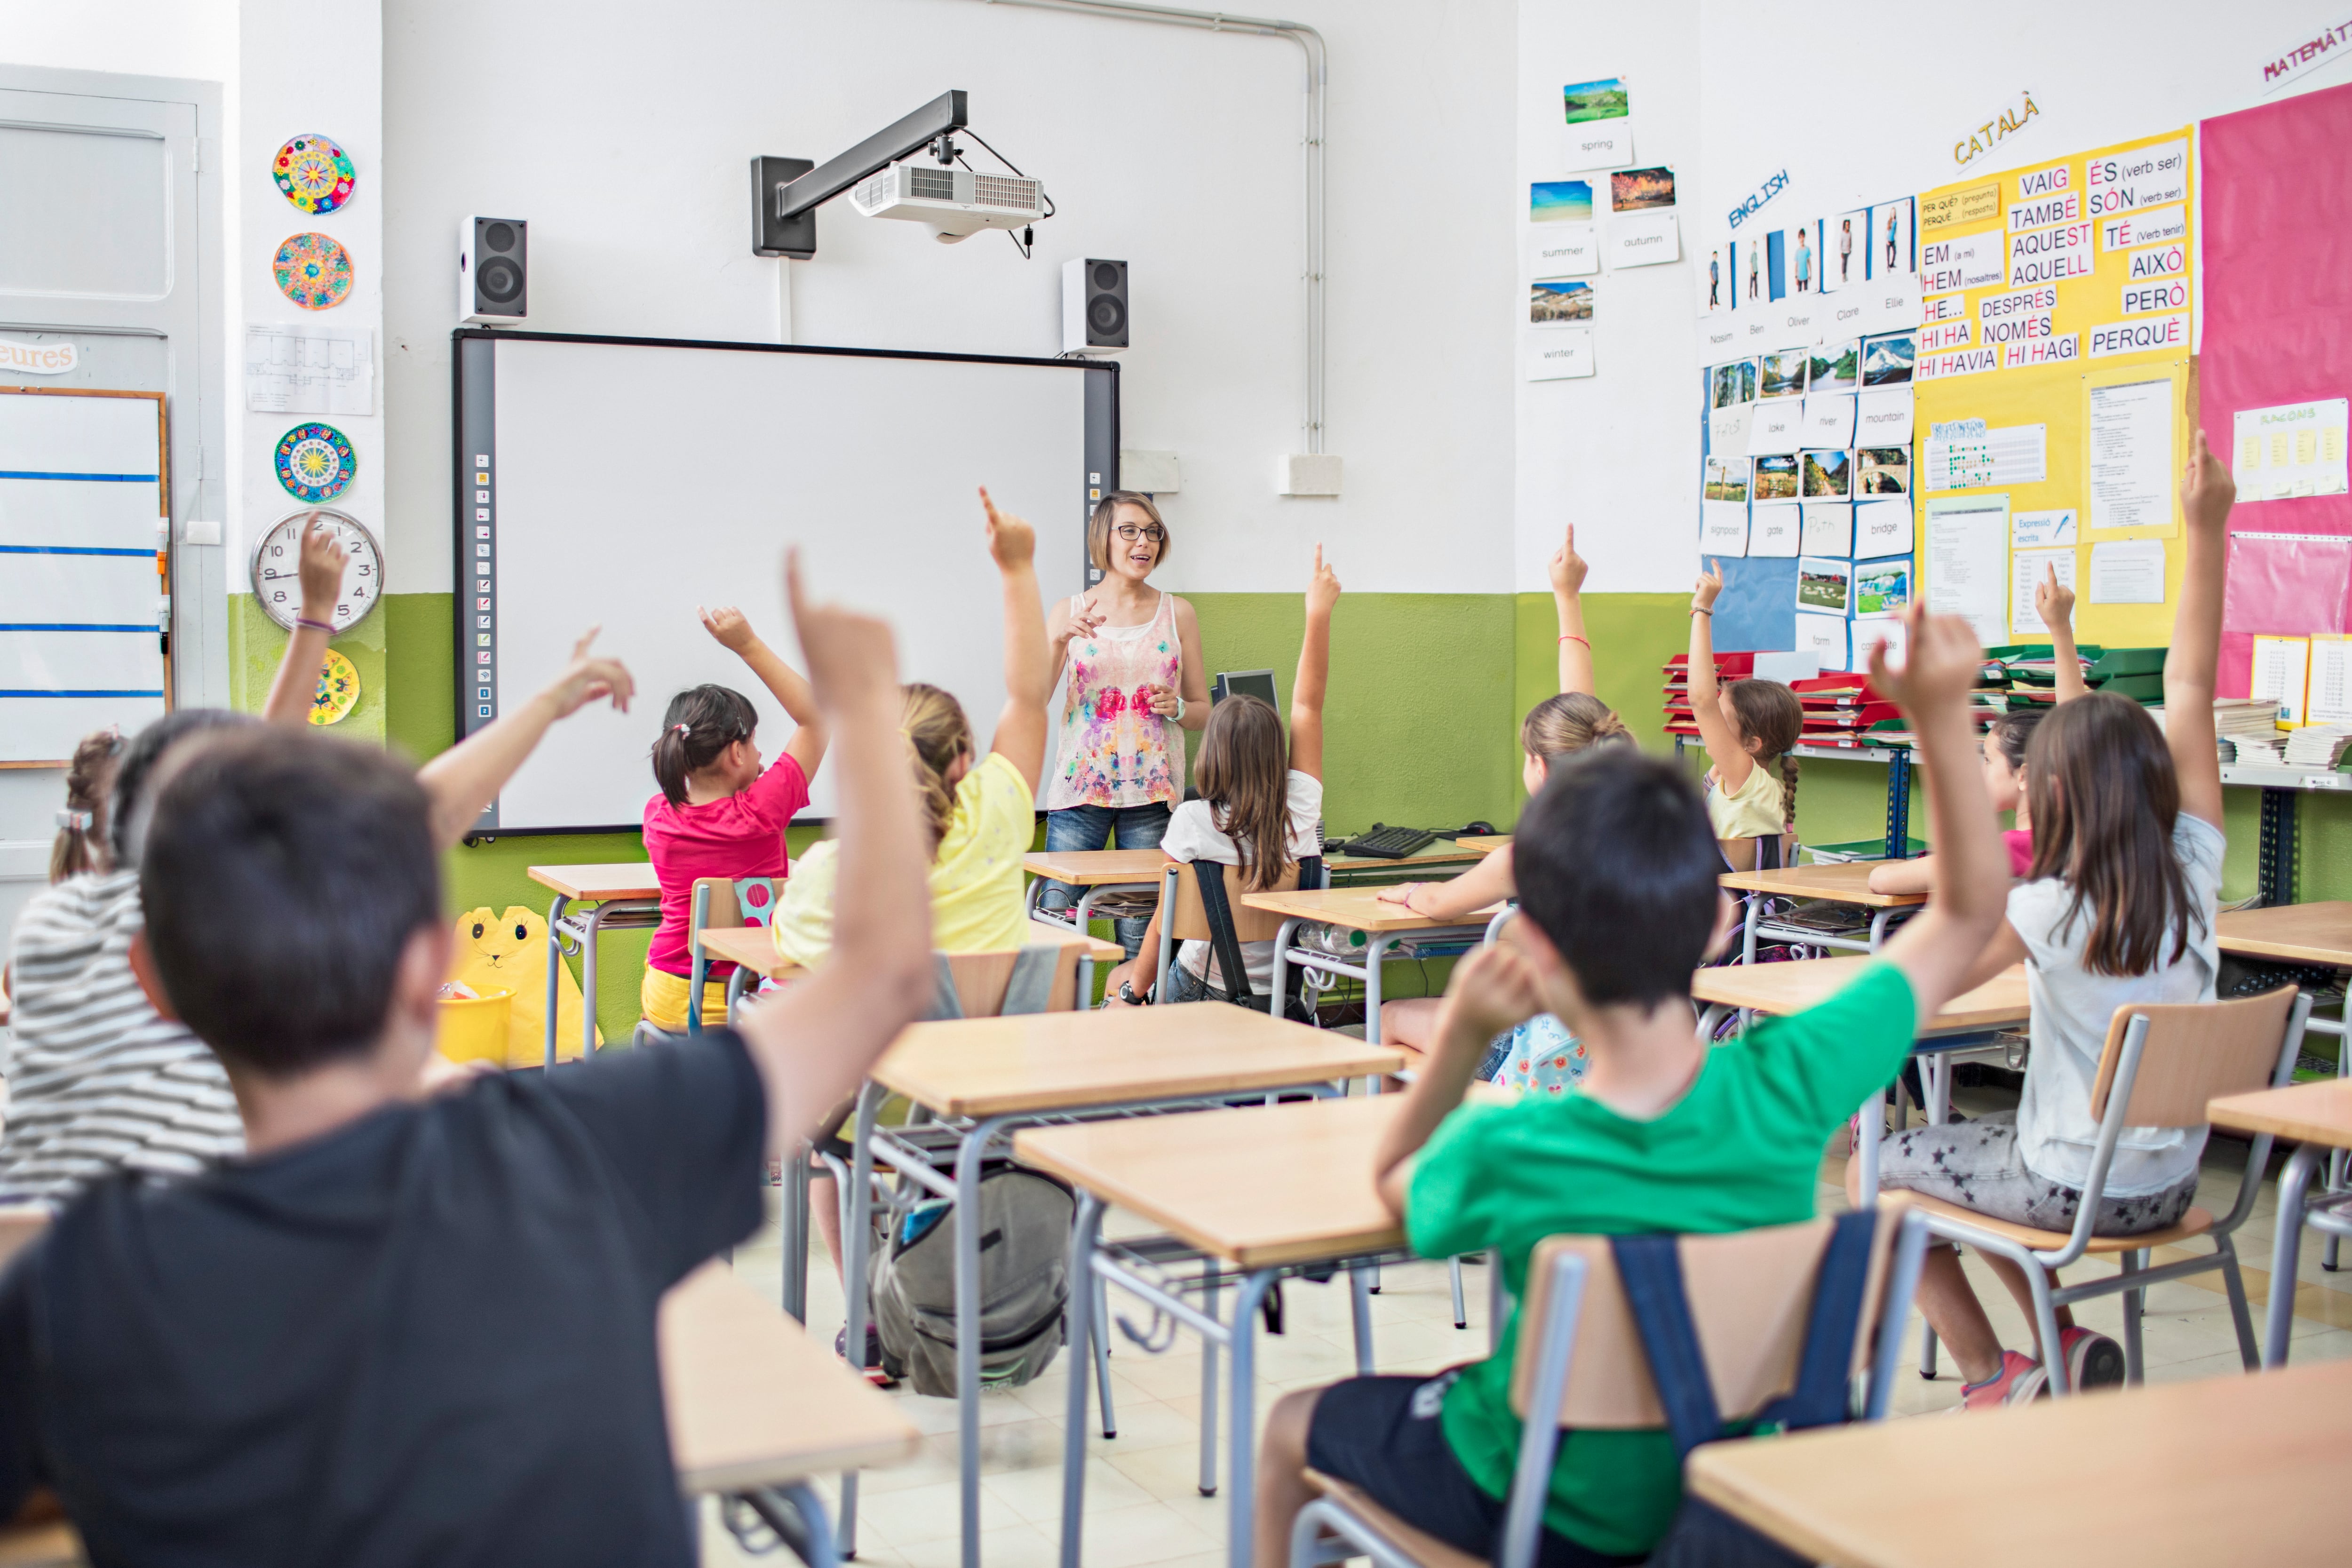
(1131, 532)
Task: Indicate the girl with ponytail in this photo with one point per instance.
(80, 849)
(719, 813)
(1539, 1056)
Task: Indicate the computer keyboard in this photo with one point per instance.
(1390, 843)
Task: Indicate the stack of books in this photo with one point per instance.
(2317, 745)
(2246, 730)
(1677, 692)
(1841, 709)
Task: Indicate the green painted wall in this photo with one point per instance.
(257, 646)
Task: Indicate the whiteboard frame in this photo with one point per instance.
(474, 431)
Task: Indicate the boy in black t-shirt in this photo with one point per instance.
(406, 1330)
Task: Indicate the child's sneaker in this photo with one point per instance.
(2019, 1380)
(872, 1369)
(2093, 1359)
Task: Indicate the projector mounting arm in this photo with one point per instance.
(786, 192)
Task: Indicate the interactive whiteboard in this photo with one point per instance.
(621, 482)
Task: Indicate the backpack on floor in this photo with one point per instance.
(1024, 1247)
(1024, 1250)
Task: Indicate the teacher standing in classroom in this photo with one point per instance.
(1136, 676)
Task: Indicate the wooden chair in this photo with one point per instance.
(1582, 1363)
(2161, 1066)
(1187, 915)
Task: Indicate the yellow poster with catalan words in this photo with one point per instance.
(2054, 393)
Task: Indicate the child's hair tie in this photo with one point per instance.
(77, 821)
(681, 729)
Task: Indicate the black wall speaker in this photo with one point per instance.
(493, 270)
(1093, 306)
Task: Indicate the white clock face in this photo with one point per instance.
(277, 575)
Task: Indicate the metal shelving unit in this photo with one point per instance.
(1898, 782)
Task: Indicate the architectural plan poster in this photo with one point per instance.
(2059, 295)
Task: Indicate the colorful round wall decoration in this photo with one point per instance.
(315, 174)
(313, 271)
(339, 690)
(315, 463)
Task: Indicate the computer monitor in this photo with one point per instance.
(1257, 683)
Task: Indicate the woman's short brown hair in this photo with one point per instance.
(1099, 527)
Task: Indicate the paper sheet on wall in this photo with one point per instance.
(1824, 586)
(2039, 529)
(1868, 635)
(1642, 239)
(2329, 687)
(1558, 353)
(2127, 572)
(1882, 527)
(1829, 528)
(1727, 429)
(1777, 426)
(1963, 454)
(1967, 562)
(1774, 528)
(2027, 568)
(1883, 417)
(1882, 588)
(1723, 528)
(2130, 469)
(1828, 420)
(2286, 583)
(310, 370)
(2295, 449)
(2282, 669)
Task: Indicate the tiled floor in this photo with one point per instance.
(1143, 1502)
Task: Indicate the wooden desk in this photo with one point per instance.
(2290, 933)
(999, 1072)
(52, 1545)
(1259, 1189)
(1382, 924)
(1780, 989)
(2318, 1117)
(1783, 988)
(1842, 882)
(754, 1401)
(2220, 1471)
(1485, 844)
(754, 949)
(1092, 872)
(625, 894)
(1437, 852)
(1060, 1061)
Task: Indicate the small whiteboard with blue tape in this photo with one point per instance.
(81, 497)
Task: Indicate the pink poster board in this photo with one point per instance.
(2275, 186)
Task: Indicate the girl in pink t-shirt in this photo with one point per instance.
(719, 814)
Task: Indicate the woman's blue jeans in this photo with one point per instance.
(1103, 827)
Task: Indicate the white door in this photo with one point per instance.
(111, 243)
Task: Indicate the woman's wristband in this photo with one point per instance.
(1702, 610)
(1572, 637)
(304, 623)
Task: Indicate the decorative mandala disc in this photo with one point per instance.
(313, 271)
(339, 690)
(315, 463)
(315, 174)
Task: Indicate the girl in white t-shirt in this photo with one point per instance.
(1261, 798)
(2117, 909)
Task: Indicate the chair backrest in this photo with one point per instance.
(1751, 1293)
(721, 910)
(2193, 1052)
(982, 978)
(1189, 921)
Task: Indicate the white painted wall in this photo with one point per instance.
(1618, 454)
(623, 134)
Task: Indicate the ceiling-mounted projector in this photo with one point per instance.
(956, 202)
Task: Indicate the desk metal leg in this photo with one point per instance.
(554, 968)
(1874, 1123)
(793, 1223)
(1281, 976)
(1083, 1232)
(1208, 1382)
(588, 984)
(797, 1516)
(1748, 927)
(858, 1202)
(1102, 1358)
(969, 1153)
(1359, 1293)
(1878, 928)
(1240, 1501)
(1375, 955)
(2286, 1250)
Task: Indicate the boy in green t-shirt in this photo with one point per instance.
(1616, 871)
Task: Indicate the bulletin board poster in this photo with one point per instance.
(2054, 393)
